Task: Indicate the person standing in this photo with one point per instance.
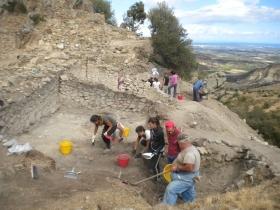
(156, 143)
(155, 73)
(185, 169)
(173, 81)
(165, 83)
(172, 145)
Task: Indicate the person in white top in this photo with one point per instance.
(156, 84)
(155, 73)
(143, 136)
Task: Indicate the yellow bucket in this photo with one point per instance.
(126, 132)
(167, 173)
(65, 147)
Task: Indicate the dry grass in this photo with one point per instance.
(263, 197)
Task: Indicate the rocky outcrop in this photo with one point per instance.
(89, 55)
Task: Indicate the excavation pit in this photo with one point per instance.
(61, 110)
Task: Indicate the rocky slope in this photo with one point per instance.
(73, 59)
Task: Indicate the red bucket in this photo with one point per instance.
(123, 160)
(181, 98)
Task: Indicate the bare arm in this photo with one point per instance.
(183, 167)
(136, 143)
(109, 124)
(95, 129)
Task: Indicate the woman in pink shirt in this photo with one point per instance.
(173, 81)
(172, 146)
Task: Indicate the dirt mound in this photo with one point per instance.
(216, 123)
(39, 159)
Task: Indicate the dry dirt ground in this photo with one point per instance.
(98, 186)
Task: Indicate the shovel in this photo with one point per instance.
(149, 178)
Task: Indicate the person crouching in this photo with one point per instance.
(109, 129)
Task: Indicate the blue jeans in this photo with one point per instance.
(182, 185)
(174, 90)
(196, 95)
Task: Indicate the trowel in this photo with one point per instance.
(72, 174)
(148, 155)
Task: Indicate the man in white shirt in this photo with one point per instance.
(184, 169)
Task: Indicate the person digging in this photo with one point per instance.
(111, 131)
(142, 140)
(185, 172)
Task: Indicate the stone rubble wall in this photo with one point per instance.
(17, 117)
(97, 96)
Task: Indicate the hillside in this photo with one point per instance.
(256, 78)
(54, 76)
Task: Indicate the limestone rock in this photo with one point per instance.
(64, 77)
(201, 142)
(250, 172)
(240, 183)
(202, 150)
(60, 46)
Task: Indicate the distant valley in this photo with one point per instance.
(250, 82)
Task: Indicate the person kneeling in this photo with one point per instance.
(141, 143)
(185, 169)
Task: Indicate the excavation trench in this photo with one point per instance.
(62, 108)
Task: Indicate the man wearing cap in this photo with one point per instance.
(172, 146)
(185, 169)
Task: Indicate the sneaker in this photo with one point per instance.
(105, 151)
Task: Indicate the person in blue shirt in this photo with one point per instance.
(197, 88)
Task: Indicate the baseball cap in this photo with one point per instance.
(182, 137)
(169, 124)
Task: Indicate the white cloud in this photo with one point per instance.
(215, 32)
(171, 3)
(230, 11)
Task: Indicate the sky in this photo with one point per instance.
(250, 21)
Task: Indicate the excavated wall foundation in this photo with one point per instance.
(17, 117)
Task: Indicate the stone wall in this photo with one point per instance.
(97, 96)
(18, 116)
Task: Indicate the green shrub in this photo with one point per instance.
(266, 105)
(268, 124)
(104, 7)
(242, 98)
(14, 6)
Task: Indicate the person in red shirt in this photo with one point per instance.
(172, 146)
